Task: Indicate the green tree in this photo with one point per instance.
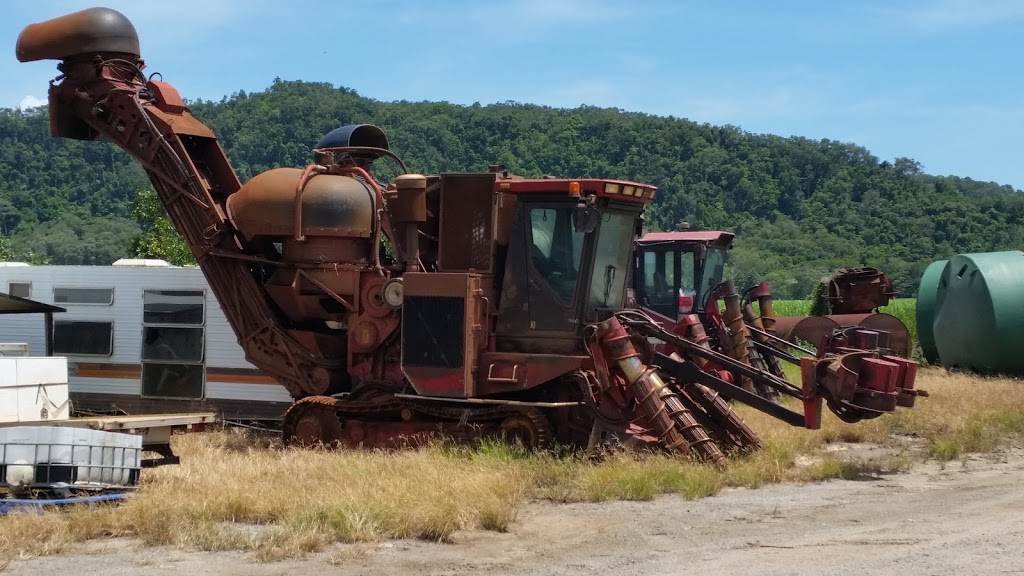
(800, 208)
(159, 239)
(6, 255)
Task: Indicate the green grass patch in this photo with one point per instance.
(791, 307)
(830, 467)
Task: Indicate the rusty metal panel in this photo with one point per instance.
(511, 371)
(808, 328)
(813, 328)
(859, 290)
(467, 222)
(89, 31)
(899, 335)
(443, 330)
(433, 284)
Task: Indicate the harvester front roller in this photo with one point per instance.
(718, 409)
(674, 424)
(735, 333)
(738, 434)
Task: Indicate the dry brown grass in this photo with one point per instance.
(964, 414)
(280, 503)
(232, 492)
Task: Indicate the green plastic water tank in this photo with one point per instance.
(927, 291)
(979, 313)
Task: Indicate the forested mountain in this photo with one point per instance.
(800, 207)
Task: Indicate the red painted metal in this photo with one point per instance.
(688, 236)
(811, 400)
(814, 329)
(564, 186)
(861, 381)
(667, 415)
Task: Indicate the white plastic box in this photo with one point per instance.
(33, 388)
(53, 454)
(13, 349)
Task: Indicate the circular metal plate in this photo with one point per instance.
(392, 291)
(373, 299)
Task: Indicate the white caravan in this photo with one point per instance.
(141, 337)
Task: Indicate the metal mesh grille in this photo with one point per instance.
(466, 207)
(433, 331)
(480, 253)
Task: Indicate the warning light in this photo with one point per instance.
(574, 188)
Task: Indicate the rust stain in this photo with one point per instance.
(134, 372)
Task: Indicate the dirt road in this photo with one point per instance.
(958, 520)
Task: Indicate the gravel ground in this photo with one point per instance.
(964, 518)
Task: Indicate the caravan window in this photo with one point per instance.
(173, 343)
(83, 338)
(172, 380)
(20, 289)
(173, 307)
(103, 296)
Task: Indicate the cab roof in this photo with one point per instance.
(620, 189)
(694, 236)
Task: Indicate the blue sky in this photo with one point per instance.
(935, 80)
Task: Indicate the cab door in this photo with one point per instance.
(554, 266)
(658, 281)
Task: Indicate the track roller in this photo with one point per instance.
(312, 421)
(528, 428)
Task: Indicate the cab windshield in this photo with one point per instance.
(714, 269)
(667, 275)
(611, 261)
(556, 249)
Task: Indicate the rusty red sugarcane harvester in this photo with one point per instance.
(501, 312)
(677, 281)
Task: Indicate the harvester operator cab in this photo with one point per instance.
(675, 272)
(568, 259)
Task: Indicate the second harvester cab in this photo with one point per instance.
(675, 272)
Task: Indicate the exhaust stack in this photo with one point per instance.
(83, 33)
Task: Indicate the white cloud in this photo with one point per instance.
(783, 102)
(558, 12)
(169, 23)
(947, 14)
(603, 93)
(31, 102)
(514, 21)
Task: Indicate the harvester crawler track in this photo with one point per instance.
(403, 421)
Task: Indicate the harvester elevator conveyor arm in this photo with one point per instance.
(690, 372)
(652, 330)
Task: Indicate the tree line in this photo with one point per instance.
(800, 207)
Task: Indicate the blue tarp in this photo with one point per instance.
(8, 505)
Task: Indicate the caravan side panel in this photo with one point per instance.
(143, 340)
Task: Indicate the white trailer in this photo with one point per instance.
(141, 337)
